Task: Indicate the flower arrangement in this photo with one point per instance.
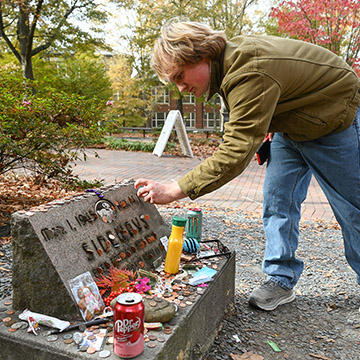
(120, 281)
(143, 285)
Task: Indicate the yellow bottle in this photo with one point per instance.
(176, 242)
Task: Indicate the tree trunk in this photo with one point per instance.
(25, 42)
(27, 68)
(179, 104)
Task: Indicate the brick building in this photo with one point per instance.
(196, 114)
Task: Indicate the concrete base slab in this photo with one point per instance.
(191, 333)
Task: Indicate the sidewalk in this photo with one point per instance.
(243, 193)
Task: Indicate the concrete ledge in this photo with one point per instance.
(193, 329)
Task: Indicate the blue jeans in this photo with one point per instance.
(334, 160)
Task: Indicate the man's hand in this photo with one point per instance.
(157, 193)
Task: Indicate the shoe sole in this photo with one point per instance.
(269, 307)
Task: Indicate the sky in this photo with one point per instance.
(119, 19)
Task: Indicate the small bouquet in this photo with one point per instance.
(120, 281)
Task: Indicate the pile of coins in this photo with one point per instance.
(156, 336)
(93, 339)
(181, 294)
(89, 335)
(12, 324)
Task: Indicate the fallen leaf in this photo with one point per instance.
(329, 274)
(249, 355)
(319, 357)
(235, 356)
(256, 357)
(331, 307)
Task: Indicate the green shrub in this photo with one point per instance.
(44, 134)
(123, 144)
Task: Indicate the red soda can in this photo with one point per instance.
(129, 325)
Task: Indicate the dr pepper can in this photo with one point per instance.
(129, 325)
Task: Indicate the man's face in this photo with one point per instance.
(193, 78)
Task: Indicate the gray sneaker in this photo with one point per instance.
(270, 295)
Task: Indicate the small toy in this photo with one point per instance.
(88, 303)
(87, 296)
(191, 245)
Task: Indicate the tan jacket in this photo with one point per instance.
(272, 84)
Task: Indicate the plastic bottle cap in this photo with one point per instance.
(195, 209)
(178, 221)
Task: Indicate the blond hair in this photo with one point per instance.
(182, 43)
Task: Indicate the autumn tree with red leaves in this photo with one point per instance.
(333, 24)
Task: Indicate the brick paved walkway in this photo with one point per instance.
(243, 193)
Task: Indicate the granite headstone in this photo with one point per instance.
(58, 241)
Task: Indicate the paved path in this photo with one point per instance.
(243, 193)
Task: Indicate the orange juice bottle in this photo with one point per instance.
(176, 242)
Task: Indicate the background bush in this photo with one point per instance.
(115, 143)
(44, 134)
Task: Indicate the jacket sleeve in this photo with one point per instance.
(251, 99)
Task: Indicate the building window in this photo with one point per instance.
(189, 120)
(158, 119)
(160, 95)
(188, 99)
(212, 120)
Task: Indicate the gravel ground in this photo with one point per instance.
(322, 323)
(324, 320)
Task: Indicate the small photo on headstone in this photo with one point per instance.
(105, 210)
(87, 296)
